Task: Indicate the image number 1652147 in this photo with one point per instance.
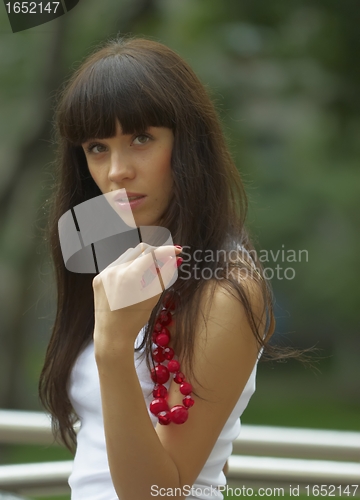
(25, 14)
(32, 7)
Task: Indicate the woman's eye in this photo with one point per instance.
(95, 148)
(141, 139)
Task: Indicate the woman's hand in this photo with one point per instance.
(126, 292)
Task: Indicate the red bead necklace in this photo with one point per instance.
(178, 414)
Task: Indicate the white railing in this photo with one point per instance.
(308, 457)
(298, 443)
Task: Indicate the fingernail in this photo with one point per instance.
(178, 246)
(179, 261)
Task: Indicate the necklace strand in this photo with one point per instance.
(160, 374)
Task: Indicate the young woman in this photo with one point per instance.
(135, 117)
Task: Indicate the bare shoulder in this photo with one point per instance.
(222, 307)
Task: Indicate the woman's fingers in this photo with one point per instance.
(142, 248)
(131, 281)
(130, 254)
(168, 273)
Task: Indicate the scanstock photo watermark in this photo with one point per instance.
(292, 490)
(25, 15)
(276, 264)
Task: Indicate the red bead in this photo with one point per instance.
(163, 338)
(179, 414)
(185, 388)
(165, 318)
(164, 417)
(168, 353)
(179, 378)
(173, 366)
(169, 303)
(158, 405)
(188, 401)
(158, 327)
(160, 391)
(158, 355)
(160, 374)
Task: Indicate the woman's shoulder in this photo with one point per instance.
(238, 304)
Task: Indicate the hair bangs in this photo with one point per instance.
(116, 88)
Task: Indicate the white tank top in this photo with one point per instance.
(90, 478)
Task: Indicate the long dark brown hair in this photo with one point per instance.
(142, 83)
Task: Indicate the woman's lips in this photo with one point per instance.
(131, 204)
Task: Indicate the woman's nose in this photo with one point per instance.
(120, 168)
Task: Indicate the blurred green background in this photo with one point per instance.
(285, 77)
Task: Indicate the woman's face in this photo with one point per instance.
(140, 164)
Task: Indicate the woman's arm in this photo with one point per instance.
(173, 456)
(224, 357)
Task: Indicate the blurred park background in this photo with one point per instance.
(285, 76)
